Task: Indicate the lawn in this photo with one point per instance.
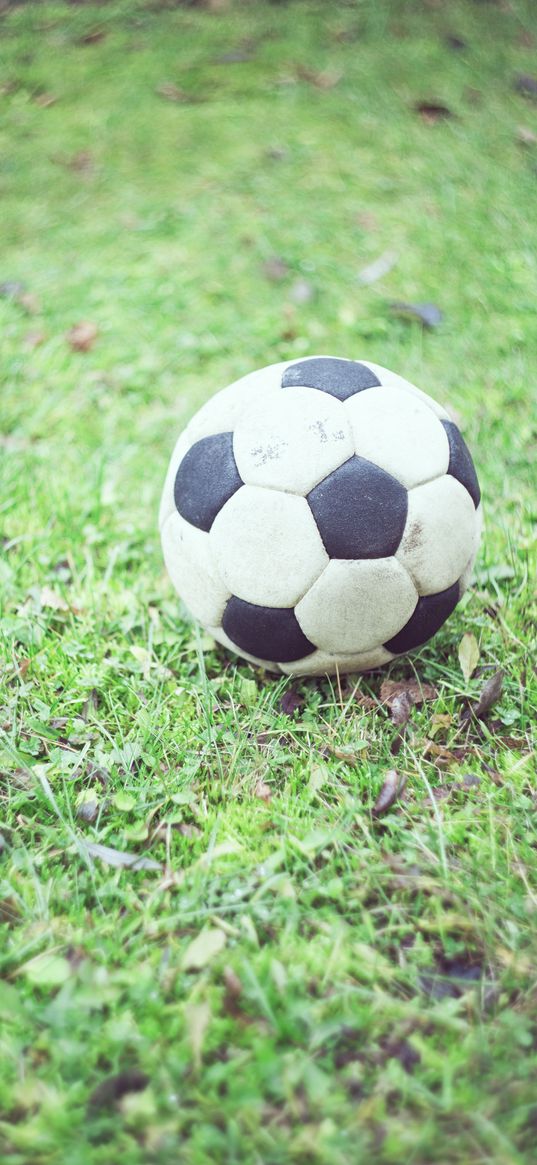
(216, 944)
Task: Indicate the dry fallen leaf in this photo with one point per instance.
(468, 655)
(432, 111)
(197, 1017)
(327, 79)
(112, 1088)
(291, 701)
(391, 790)
(427, 314)
(51, 599)
(491, 692)
(263, 791)
(45, 100)
(34, 339)
(526, 84)
(275, 269)
(443, 757)
(29, 302)
(455, 42)
(233, 991)
(172, 92)
(378, 268)
(94, 36)
(351, 756)
(82, 336)
(116, 857)
(400, 708)
(203, 949)
(88, 811)
(417, 691)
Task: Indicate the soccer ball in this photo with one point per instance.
(321, 515)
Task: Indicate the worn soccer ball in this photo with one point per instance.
(321, 515)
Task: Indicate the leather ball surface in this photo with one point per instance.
(320, 515)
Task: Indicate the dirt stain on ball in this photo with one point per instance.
(264, 453)
(414, 536)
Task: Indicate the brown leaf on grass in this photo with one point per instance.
(400, 708)
(88, 811)
(82, 336)
(399, 1049)
(13, 289)
(233, 992)
(9, 911)
(275, 269)
(491, 692)
(90, 705)
(291, 701)
(433, 111)
(112, 1088)
(119, 858)
(427, 314)
(417, 691)
(186, 829)
(22, 666)
(34, 339)
(443, 757)
(454, 42)
(82, 162)
(45, 99)
(29, 303)
(468, 654)
(452, 978)
(171, 92)
(51, 599)
(94, 36)
(472, 95)
(391, 790)
(263, 791)
(526, 84)
(351, 756)
(367, 221)
(276, 154)
(397, 742)
(327, 79)
(363, 701)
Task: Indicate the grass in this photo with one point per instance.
(284, 975)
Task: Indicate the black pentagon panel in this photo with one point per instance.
(429, 615)
(271, 633)
(461, 465)
(339, 378)
(207, 477)
(360, 510)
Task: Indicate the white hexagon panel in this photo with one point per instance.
(267, 547)
(321, 515)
